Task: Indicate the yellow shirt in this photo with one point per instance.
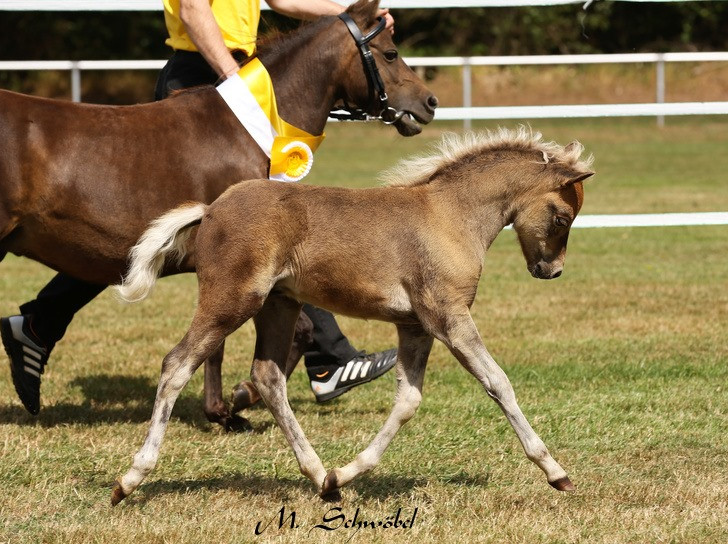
(237, 19)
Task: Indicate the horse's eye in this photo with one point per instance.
(391, 55)
(561, 221)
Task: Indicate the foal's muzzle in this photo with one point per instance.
(546, 271)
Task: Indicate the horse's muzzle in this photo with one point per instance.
(408, 122)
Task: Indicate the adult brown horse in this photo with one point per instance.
(71, 191)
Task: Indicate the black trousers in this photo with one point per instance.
(57, 303)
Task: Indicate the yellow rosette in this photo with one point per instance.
(291, 158)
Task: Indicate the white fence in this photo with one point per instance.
(467, 112)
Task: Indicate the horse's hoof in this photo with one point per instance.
(117, 493)
(244, 396)
(238, 424)
(563, 484)
(330, 490)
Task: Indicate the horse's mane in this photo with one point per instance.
(275, 40)
(453, 149)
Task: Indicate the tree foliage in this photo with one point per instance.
(606, 27)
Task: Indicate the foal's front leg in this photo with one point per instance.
(412, 353)
(462, 338)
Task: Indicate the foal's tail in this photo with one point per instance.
(165, 237)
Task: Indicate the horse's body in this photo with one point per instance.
(83, 181)
(416, 264)
(80, 183)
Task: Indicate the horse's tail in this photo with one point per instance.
(166, 237)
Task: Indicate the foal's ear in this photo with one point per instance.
(574, 177)
(364, 12)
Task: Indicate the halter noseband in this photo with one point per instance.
(387, 114)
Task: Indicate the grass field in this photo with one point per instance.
(621, 365)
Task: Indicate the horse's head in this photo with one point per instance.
(545, 215)
(404, 101)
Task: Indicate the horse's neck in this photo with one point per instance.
(302, 70)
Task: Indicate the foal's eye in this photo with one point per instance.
(561, 221)
(391, 55)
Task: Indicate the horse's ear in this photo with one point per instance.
(574, 177)
(364, 12)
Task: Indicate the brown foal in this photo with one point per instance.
(264, 247)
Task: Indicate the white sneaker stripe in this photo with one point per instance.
(31, 371)
(355, 371)
(31, 352)
(16, 325)
(31, 362)
(365, 368)
(347, 370)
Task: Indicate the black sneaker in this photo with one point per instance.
(330, 381)
(27, 359)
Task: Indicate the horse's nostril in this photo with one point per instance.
(432, 101)
(556, 275)
(537, 270)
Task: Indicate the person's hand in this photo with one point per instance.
(388, 18)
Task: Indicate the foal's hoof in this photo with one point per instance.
(333, 496)
(238, 424)
(563, 484)
(117, 493)
(330, 490)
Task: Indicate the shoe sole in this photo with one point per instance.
(7, 337)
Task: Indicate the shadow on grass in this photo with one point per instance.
(111, 399)
(367, 487)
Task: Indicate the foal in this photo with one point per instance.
(410, 253)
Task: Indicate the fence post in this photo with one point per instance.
(660, 98)
(75, 82)
(467, 90)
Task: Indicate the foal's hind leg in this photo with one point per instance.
(462, 338)
(274, 326)
(412, 353)
(209, 328)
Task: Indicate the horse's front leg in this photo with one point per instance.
(462, 338)
(413, 351)
(246, 395)
(274, 325)
(216, 409)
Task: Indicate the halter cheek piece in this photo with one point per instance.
(387, 114)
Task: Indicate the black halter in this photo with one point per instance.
(387, 114)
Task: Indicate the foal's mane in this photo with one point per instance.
(453, 149)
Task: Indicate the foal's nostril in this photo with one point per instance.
(432, 101)
(538, 270)
(556, 275)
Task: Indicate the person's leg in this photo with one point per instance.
(334, 366)
(184, 69)
(329, 345)
(28, 338)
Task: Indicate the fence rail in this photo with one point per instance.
(467, 112)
